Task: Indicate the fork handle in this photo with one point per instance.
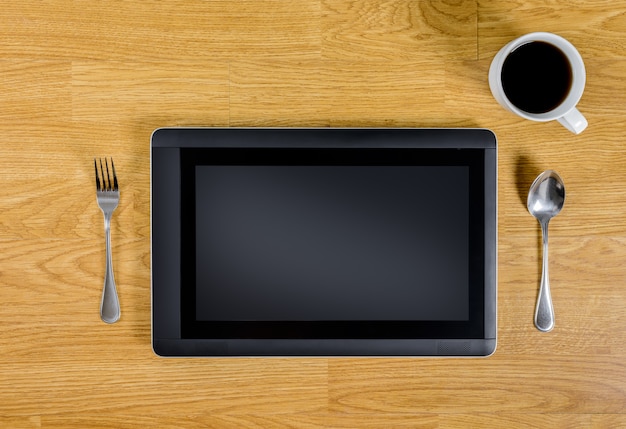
(110, 305)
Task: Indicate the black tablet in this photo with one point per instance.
(323, 242)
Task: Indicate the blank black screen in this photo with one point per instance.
(331, 243)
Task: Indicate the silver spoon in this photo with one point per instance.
(545, 200)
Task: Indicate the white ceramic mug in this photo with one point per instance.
(565, 112)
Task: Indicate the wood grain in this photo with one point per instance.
(80, 80)
(335, 93)
(158, 31)
(398, 30)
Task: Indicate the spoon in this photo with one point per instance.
(545, 200)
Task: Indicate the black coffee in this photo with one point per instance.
(536, 77)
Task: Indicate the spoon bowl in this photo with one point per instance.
(545, 200)
(546, 196)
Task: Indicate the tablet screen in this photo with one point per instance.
(319, 243)
(311, 243)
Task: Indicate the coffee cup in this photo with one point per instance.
(541, 77)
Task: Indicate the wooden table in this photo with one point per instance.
(82, 79)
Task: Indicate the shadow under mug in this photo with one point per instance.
(565, 111)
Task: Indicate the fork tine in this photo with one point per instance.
(95, 164)
(109, 187)
(115, 188)
(104, 180)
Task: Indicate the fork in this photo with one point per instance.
(108, 196)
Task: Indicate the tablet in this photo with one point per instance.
(323, 242)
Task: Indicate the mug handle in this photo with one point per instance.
(573, 121)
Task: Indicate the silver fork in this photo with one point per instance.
(108, 196)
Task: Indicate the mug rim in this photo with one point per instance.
(576, 64)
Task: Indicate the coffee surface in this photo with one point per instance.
(536, 77)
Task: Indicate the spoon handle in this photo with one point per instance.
(544, 313)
